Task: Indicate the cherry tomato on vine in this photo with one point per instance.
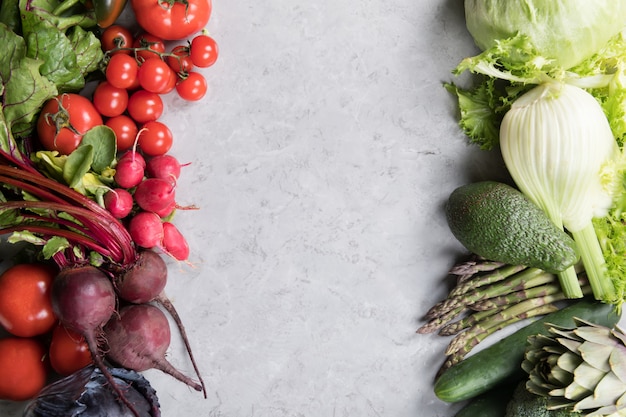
(109, 100)
(25, 303)
(154, 75)
(68, 351)
(155, 138)
(177, 19)
(144, 106)
(116, 36)
(64, 120)
(121, 71)
(153, 46)
(125, 130)
(193, 87)
(179, 59)
(203, 51)
(23, 371)
(171, 82)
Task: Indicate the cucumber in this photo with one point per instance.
(490, 404)
(500, 363)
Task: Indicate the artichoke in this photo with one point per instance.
(579, 369)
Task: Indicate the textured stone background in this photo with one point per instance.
(320, 160)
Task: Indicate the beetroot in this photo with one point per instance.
(84, 300)
(145, 280)
(138, 340)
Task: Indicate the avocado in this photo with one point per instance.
(499, 223)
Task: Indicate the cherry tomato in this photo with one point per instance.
(125, 130)
(114, 37)
(179, 59)
(23, 371)
(144, 106)
(64, 120)
(172, 20)
(155, 138)
(203, 51)
(171, 83)
(68, 351)
(110, 101)
(121, 71)
(193, 87)
(154, 44)
(154, 75)
(25, 304)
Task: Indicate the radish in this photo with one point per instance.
(84, 300)
(129, 172)
(146, 229)
(163, 166)
(133, 155)
(138, 340)
(154, 194)
(119, 202)
(167, 211)
(174, 243)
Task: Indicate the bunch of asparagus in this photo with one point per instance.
(489, 296)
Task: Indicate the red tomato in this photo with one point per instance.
(193, 87)
(64, 120)
(154, 75)
(121, 71)
(23, 371)
(179, 59)
(116, 36)
(110, 101)
(125, 130)
(144, 106)
(155, 138)
(203, 51)
(173, 20)
(150, 46)
(25, 303)
(68, 351)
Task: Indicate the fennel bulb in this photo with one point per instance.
(563, 31)
(560, 151)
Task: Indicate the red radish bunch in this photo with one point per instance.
(146, 199)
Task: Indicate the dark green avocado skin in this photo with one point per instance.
(497, 222)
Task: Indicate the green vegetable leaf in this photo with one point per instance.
(102, 140)
(50, 162)
(24, 89)
(10, 14)
(87, 48)
(78, 164)
(54, 245)
(46, 43)
(46, 9)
